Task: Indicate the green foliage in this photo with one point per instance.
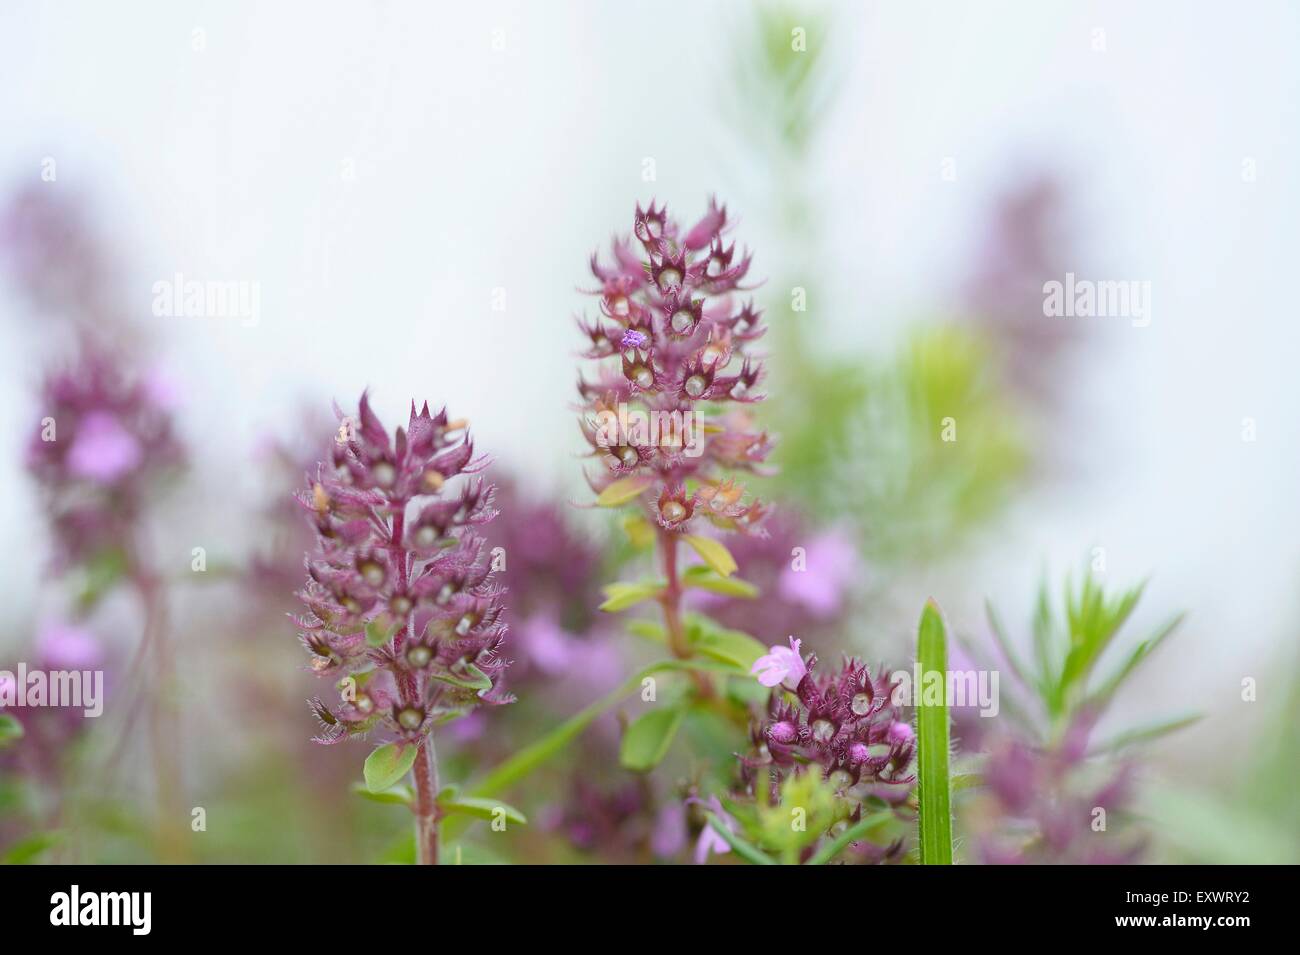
(719, 643)
(918, 450)
(480, 808)
(623, 490)
(621, 595)
(746, 850)
(29, 849)
(388, 764)
(705, 578)
(934, 787)
(714, 553)
(10, 730)
(396, 796)
(1068, 647)
(647, 739)
(529, 758)
(787, 73)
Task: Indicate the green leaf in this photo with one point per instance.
(647, 739)
(380, 630)
(397, 795)
(624, 490)
(481, 808)
(621, 594)
(1143, 734)
(1093, 622)
(1008, 652)
(748, 852)
(388, 764)
(961, 781)
(647, 630)
(726, 646)
(853, 833)
(703, 578)
(714, 553)
(10, 729)
(639, 532)
(472, 679)
(460, 854)
(26, 851)
(1135, 659)
(934, 819)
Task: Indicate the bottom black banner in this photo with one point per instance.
(219, 904)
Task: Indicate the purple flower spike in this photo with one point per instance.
(667, 313)
(399, 595)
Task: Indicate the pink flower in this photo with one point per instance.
(832, 567)
(669, 834)
(102, 449)
(709, 840)
(780, 666)
(65, 647)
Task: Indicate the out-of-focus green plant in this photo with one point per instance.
(915, 450)
(1068, 645)
(1054, 793)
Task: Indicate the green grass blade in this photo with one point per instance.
(742, 848)
(1144, 734)
(852, 834)
(934, 796)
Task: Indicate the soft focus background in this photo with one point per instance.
(416, 190)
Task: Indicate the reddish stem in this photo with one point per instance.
(427, 815)
(425, 768)
(671, 601)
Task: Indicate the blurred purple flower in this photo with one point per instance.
(62, 646)
(710, 841)
(1044, 805)
(832, 565)
(805, 578)
(100, 450)
(1024, 248)
(103, 451)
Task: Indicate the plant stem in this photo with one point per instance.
(671, 601)
(427, 815)
(425, 768)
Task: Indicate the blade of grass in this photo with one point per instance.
(852, 834)
(742, 848)
(934, 820)
(1142, 734)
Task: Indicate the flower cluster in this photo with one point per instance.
(1046, 805)
(843, 723)
(104, 441)
(400, 598)
(674, 374)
